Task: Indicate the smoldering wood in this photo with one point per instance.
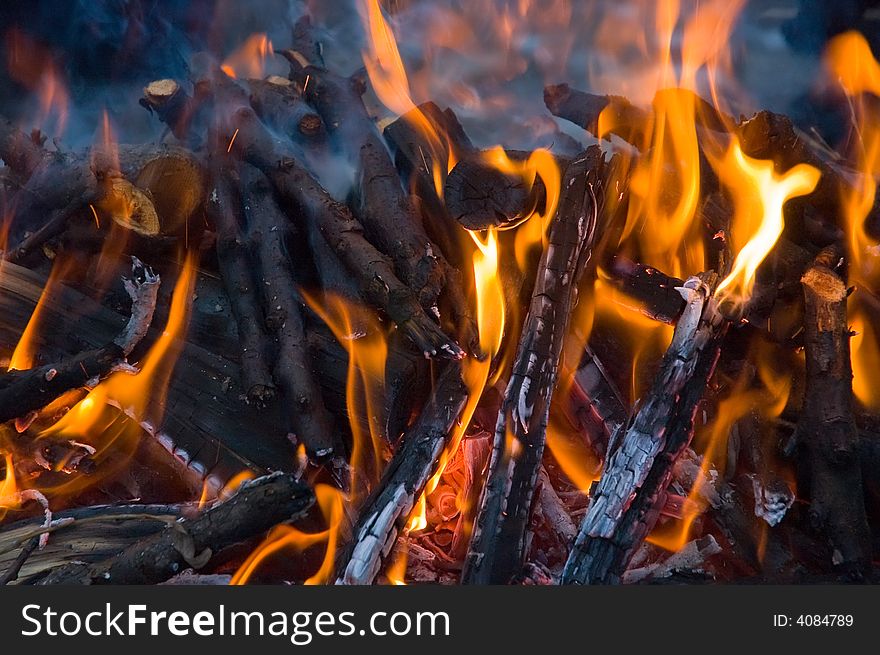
(282, 108)
(269, 232)
(826, 430)
(497, 549)
(237, 272)
(627, 501)
(256, 507)
(22, 392)
(654, 291)
(384, 513)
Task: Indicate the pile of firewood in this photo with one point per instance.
(239, 175)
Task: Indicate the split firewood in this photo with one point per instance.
(257, 506)
(497, 550)
(627, 501)
(826, 429)
(224, 209)
(23, 392)
(384, 514)
(269, 233)
(383, 207)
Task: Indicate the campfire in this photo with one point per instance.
(350, 301)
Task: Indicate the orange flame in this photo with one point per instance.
(389, 80)
(574, 457)
(9, 498)
(33, 66)
(396, 571)
(249, 59)
(665, 185)
(25, 351)
(94, 419)
(287, 537)
(359, 332)
(759, 194)
(849, 59)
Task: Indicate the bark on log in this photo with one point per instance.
(385, 512)
(269, 232)
(827, 429)
(497, 549)
(283, 109)
(631, 493)
(257, 506)
(22, 392)
(237, 272)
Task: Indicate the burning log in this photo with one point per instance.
(826, 429)
(236, 271)
(384, 514)
(478, 195)
(258, 506)
(654, 291)
(22, 392)
(627, 121)
(498, 544)
(631, 493)
(269, 233)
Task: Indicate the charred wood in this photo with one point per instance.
(22, 392)
(385, 512)
(258, 505)
(497, 549)
(631, 493)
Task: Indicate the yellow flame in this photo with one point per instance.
(419, 519)
(541, 163)
(574, 457)
(396, 571)
(865, 359)
(759, 194)
(285, 537)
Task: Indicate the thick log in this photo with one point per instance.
(385, 512)
(258, 506)
(497, 549)
(269, 232)
(627, 501)
(148, 189)
(22, 392)
(827, 429)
